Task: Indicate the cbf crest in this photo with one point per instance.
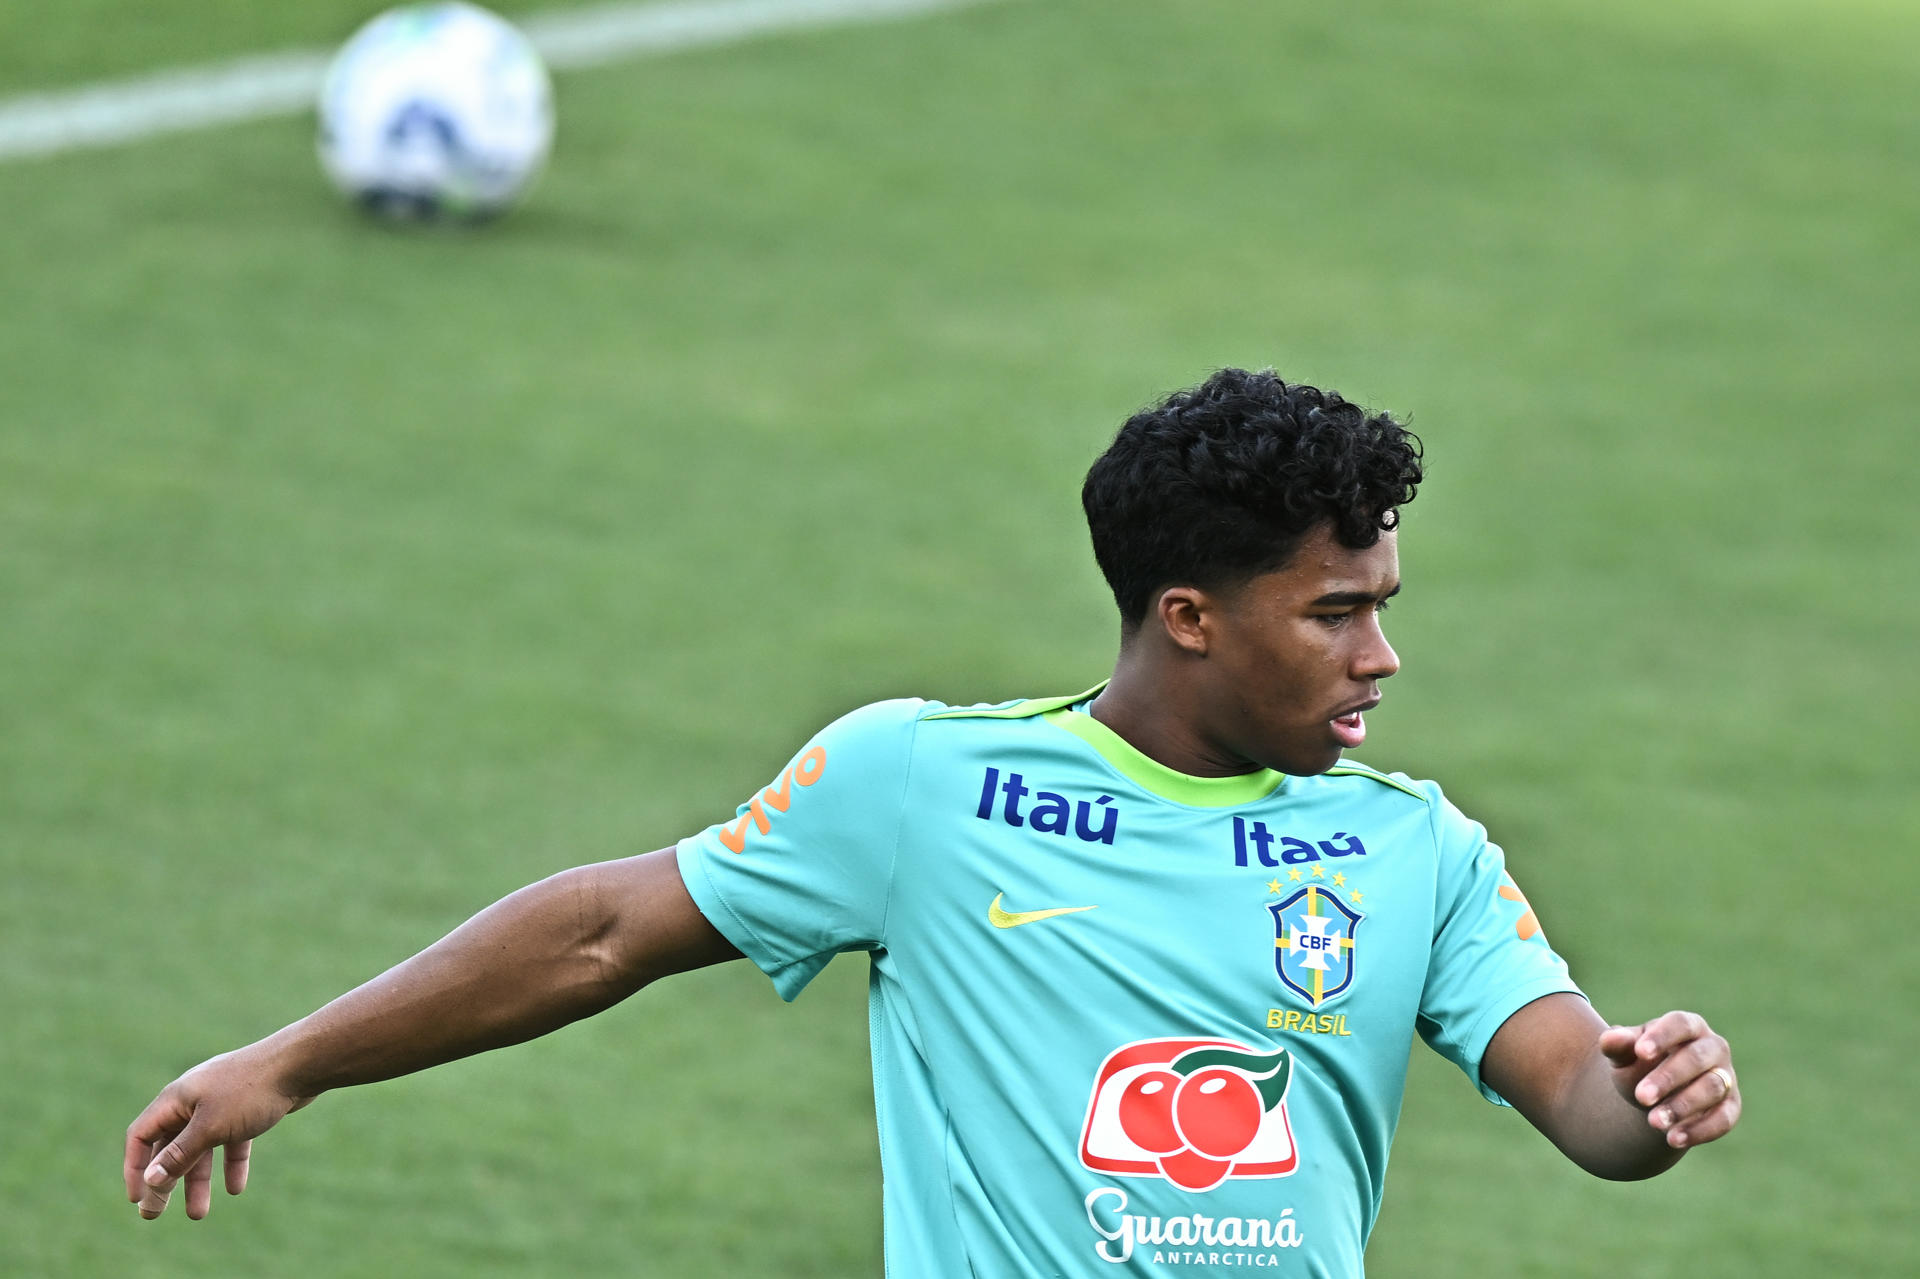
(1313, 946)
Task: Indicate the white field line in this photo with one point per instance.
(117, 111)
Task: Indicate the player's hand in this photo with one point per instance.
(223, 1103)
(1678, 1071)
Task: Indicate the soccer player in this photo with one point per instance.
(1147, 961)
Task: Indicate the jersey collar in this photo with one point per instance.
(1150, 774)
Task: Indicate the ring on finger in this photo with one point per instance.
(1726, 1080)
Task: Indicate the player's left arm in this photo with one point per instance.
(1623, 1102)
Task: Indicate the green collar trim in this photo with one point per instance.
(1361, 770)
(1019, 710)
(1148, 774)
(1151, 775)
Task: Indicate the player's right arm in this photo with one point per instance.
(559, 950)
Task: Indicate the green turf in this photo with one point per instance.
(84, 40)
(351, 579)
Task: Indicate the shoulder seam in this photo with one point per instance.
(899, 825)
(1027, 709)
(1439, 859)
(1361, 770)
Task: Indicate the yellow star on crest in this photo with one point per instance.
(1357, 898)
(1339, 880)
(1317, 874)
(1293, 877)
(1273, 885)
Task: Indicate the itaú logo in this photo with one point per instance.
(1193, 1111)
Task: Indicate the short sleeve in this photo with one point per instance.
(1489, 957)
(804, 868)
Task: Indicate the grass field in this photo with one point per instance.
(351, 579)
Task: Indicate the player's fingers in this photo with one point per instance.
(199, 1183)
(1663, 1034)
(139, 1155)
(1616, 1043)
(178, 1155)
(1680, 1068)
(158, 1123)
(239, 1162)
(1712, 1126)
(153, 1200)
(1703, 1094)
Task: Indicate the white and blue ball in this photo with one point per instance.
(436, 110)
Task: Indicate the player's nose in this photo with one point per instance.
(1376, 658)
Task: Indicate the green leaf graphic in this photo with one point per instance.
(1270, 1073)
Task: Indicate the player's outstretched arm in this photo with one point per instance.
(1623, 1102)
(567, 947)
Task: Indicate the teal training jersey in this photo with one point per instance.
(1124, 1021)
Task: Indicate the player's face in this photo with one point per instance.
(1295, 657)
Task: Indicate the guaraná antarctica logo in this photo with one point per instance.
(1193, 1111)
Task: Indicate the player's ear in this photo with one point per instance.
(1183, 612)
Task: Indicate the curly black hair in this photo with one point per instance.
(1224, 481)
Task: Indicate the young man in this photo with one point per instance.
(1147, 961)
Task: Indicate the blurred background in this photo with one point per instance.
(352, 576)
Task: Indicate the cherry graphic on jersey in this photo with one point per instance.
(1146, 1112)
(1193, 1111)
(1191, 1170)
(1217, 1112)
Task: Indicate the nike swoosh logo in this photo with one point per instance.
(1014, 918)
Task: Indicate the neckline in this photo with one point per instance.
(1151, 775)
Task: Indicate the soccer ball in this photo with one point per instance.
(435, 110)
